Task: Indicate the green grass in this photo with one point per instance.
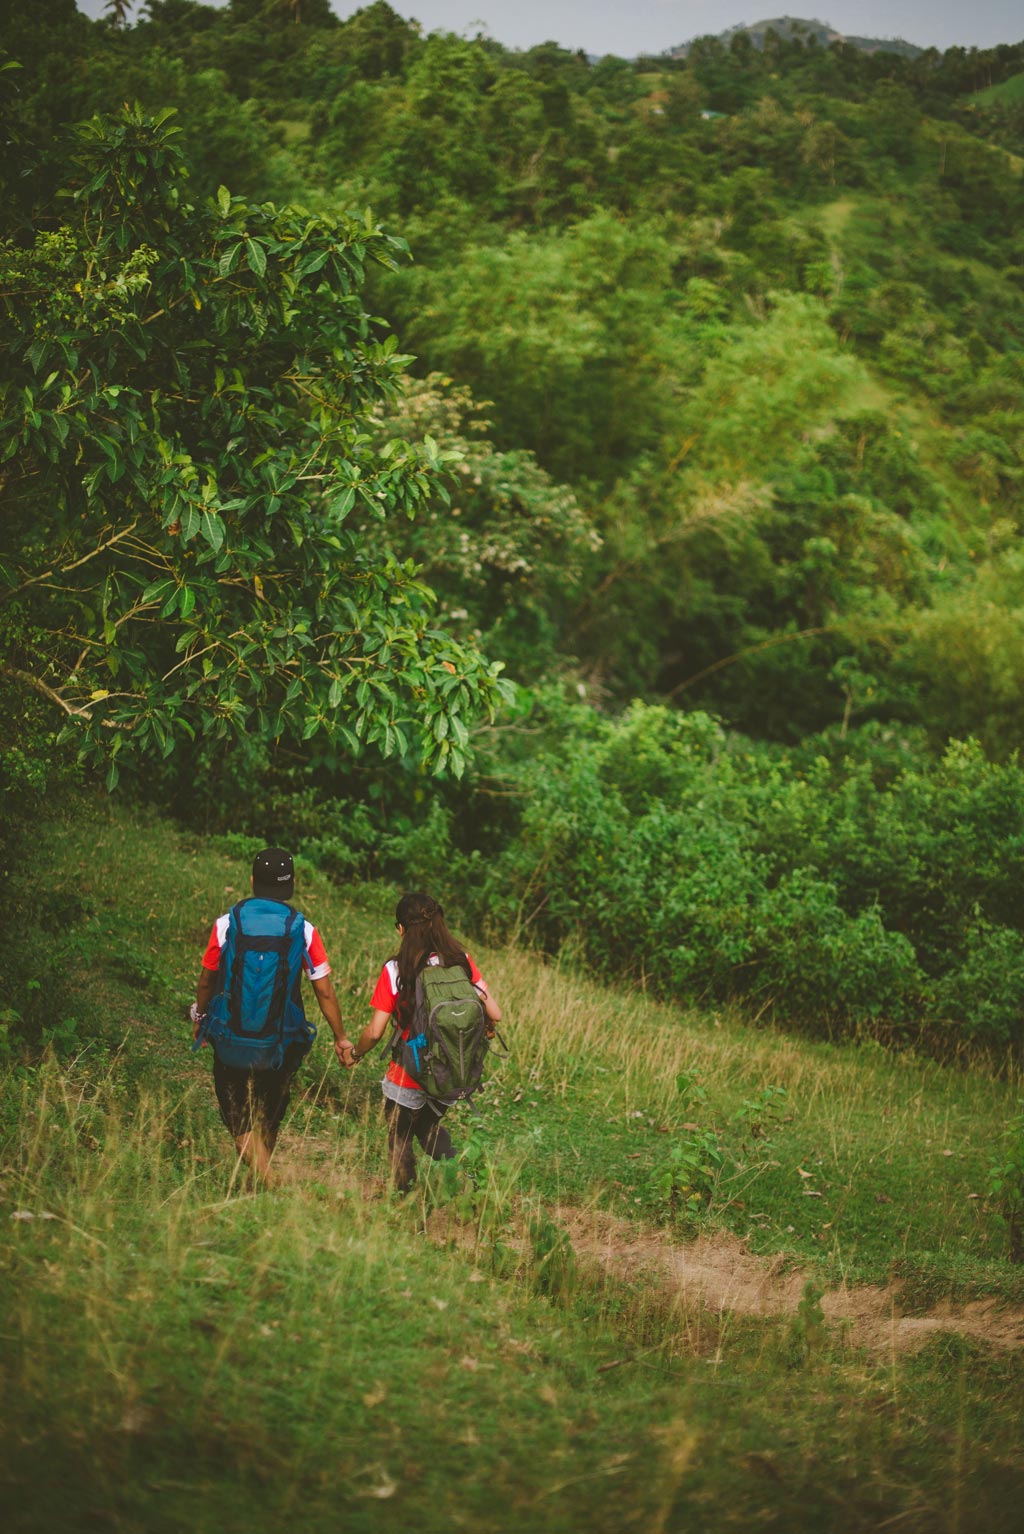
(586, 1108)
(295, 129)
(834, 216)
(176, 1357)
(1004, 94)
(179, 1353)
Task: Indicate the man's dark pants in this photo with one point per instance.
(255, 1099)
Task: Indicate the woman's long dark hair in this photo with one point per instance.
(425, 933)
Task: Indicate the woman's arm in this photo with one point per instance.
(373, 1031)
(490, 1005)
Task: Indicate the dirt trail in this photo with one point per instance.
(715, 1273)
(718, 1273)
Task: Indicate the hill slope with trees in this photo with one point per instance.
(705, 420)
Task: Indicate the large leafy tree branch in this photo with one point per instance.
(183, 396)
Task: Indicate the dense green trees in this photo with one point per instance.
(715, 400)
(185, 398)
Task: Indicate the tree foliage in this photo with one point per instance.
(185, 396)
(503, 550)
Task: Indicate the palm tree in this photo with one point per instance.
(119, 11)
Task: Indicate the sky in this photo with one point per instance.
(629, 27)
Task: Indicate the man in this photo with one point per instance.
(253, 1098)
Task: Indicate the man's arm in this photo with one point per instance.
(327, 1001)
(205, 992)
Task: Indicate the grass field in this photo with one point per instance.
(648, 1313)
(1003, 94)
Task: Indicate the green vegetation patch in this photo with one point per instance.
(178, 1351)
(183, 1353)
(865, 1164)
(1005, 93)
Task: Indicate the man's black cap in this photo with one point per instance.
(273, 871)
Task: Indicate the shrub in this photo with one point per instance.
(1006, 1183)
(982, 995)
(854, 884)
(818, 960)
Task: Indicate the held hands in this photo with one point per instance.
(345, 1051)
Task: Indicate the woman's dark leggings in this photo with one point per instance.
(406, 1125)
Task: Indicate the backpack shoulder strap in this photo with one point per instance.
(231, 935)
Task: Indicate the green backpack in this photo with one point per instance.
(447, 1041)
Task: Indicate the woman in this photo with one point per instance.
(424, 940)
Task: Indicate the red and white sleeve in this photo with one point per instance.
(386, 990)
(316, 954)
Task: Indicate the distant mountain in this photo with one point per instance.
(795, 26)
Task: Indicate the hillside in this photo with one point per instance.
(597, 482)
(588, 490)
(795, 29)
(1007, 93)
(182, 1350)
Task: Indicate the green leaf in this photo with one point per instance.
(212, 527)
(228, 260)
(223, 201)
(441, 765)
(257, 257)
(157, 591)
(342, 505)
(311, 264)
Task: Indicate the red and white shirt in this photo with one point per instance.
(314, 960)
(385, 999)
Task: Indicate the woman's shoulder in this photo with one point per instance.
(464, 959)
(385, 992)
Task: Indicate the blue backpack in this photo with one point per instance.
(257, 1012)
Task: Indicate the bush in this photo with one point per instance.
(817, 960)
(982, 996)
(850, 885)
